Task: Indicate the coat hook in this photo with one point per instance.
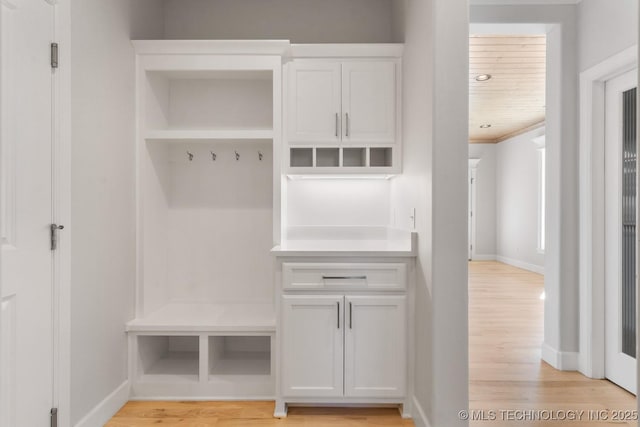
(260, 155)
(237, 156)
(190, 155)
(213, 156)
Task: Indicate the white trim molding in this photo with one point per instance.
(521, 264)
(107, 408)
(484, 257)
(591, 196)
(419, 417)
(561, 360)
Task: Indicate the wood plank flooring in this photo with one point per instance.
(506, 374)
(506, 371)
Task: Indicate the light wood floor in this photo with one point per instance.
(505, 337)
(505, 318)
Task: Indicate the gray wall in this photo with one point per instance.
(301, 21)
(605, 28)
(102, 196)
(517, 201)
(485, 212)
(434, 182)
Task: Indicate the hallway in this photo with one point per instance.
(506, 373)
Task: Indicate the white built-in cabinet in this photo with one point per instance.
(313, 345)
(208, 213)
(344, 345)
(342, 110)
(342, 102)
(344, 331)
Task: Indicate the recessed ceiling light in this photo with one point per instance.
(485, 126)
(483, 77)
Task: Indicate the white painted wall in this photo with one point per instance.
(102, 196)
(517, 201)
(338, 202)
(434, 181)
(605, 28)
(301, 21)
(485, 212)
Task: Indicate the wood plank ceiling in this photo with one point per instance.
(513, 100)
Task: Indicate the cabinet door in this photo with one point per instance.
(312, 345)
(375, 346)
(314, 103)
(369, 102)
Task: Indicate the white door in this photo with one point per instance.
(369, 102)
(620, 231)
(314, 103)
(312, 345)
(26, 315)
(375, 346)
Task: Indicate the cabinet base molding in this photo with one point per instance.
(282, 405)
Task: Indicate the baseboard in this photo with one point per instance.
(419, 417)
(561, 360)
(484, 258)
(521, 264)
(107, 408)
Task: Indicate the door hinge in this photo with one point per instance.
(54, 417)
(54, 235)
(54, 55)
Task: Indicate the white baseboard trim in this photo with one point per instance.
(484, 258)
(561, 360)
(107, 408)
(419, 417)
(520, 264)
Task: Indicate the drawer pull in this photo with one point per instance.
(338, 312)
(344, 277)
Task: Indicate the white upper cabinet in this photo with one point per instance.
(369, 102)
(347, 103)
(314, 102)
(342, 109)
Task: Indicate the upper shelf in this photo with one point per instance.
(205, 135)
(212, 47)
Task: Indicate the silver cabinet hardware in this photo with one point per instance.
(337, 120)
(338, 312)
(350, 316)
(344, 277)
(348, 126)
(54, 235)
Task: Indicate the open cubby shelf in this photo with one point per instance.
(336, 158)
(208, 100)
(239, 355)
(176, 358)
(168, 358)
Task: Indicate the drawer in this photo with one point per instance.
(347, 276)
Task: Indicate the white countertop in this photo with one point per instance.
(347, 241)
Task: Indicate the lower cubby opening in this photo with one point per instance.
(239, 355)
(172, 358)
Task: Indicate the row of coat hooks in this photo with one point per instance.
(214, 156)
